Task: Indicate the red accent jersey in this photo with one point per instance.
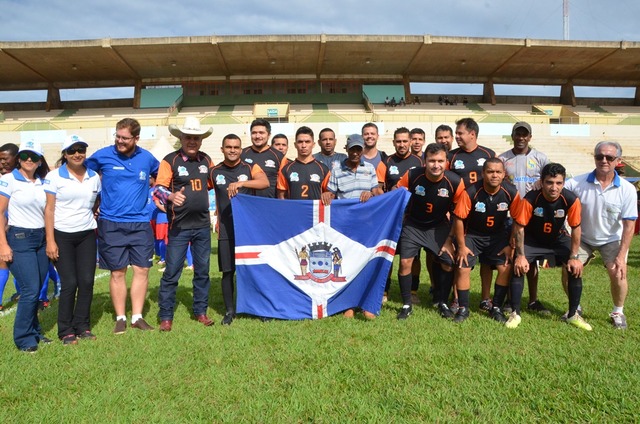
(222, 175)
(544, 220)
(177, 171)
(469, 164)
(484, 213)
(430, 201)
(303, 181)
(271, 161)
(394, 167)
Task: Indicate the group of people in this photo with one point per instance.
(467, 206)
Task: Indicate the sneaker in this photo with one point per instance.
(461, 315)
(497, 315)
(405, 312)
(141, 324)
(577, 321)
(454, 306)
(486, 305)
(228, 318)
(566, 314)
(45, 340)
(160, 263)
(69, 339)
(385, 298)
(415, 300)
(189, 267)
(30, 349)
(513, 321)
(618, 320)
(537, 306)
(444, 310)
(86, 335)
(121, 326)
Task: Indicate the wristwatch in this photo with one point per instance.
(574, 257)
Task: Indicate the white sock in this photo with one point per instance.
(618, 309)
(135, 318)
(121, 317)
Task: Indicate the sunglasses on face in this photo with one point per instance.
(599, 157)
(74, 150)
(29, 155)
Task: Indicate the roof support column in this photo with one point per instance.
(137, 93)
(53, 98)
(636, 99)
(567, 94)
(488, 93)
(407, 89)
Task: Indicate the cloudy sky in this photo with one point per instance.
(38, 20)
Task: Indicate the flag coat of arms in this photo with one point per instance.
(299, 259)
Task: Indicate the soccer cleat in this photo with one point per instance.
(69, 339)
(507, 309)
(496, 314)
(228, 318)
(618, 320)
(577, 321)
(537, 306)
(405, 312)
(513, 321)
(486, 305)
(461, 315)
(444, 310)
(566, 314)
(86, 335)
(454, 306)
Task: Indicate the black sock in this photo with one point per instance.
(517, 286)
(415, 282)
(405, 288)
(575, 293)
(463, 298)
(227, 291)
(443, 282)
(499, 294)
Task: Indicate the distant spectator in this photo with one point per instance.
(440, 100)
(402, 102)
(386, 101)
(394, 102)
(416, 100)
(465, 100)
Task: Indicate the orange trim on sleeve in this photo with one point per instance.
(523, 213)
(404, 181)
(463, 206)
(325, 182)
(165, 174)
(574, 214)
(381, 171)
(282, 182)
(255, 171)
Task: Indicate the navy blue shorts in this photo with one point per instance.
(121, 244)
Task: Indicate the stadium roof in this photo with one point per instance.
(159, 61)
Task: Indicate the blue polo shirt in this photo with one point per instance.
(125, 183)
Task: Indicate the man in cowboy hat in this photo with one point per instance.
(182, 184)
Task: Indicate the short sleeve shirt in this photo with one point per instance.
(26, 200)
(303, 181)
(485, 213)
(394, 167)
(270, 161)
(346, 183)
(469, 164)
(524, 170)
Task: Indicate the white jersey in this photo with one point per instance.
(74, 199)
(26, 200)
(524, 170)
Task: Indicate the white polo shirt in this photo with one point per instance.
(604, 210)
(74, 199)
(26, 200)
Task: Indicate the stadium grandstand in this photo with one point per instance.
(337, 81)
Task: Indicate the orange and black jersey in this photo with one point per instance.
(430, 201)
(178, 171)
(303, 181)
(469, 164)
(484, 213)
(222, 175)
(393, 167)
(544, 220)
(271, 161)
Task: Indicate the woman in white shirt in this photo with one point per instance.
(73, 195)
(22, 245)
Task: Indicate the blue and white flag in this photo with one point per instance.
(298, 259)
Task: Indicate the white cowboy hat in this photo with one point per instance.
(191, 127)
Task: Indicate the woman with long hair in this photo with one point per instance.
(22, 244)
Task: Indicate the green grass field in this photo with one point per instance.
(425, 369)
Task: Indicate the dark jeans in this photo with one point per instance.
(29, 266)
(76, 267)
(179, 239)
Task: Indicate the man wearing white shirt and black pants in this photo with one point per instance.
(609, 212)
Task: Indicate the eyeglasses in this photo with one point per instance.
(123, 138)
(29, 155)
(600, 156)
(74, 150)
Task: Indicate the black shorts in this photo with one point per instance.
(486, 249)
(226, 255)
(555, 254)
(121, 244)
(432, 239)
